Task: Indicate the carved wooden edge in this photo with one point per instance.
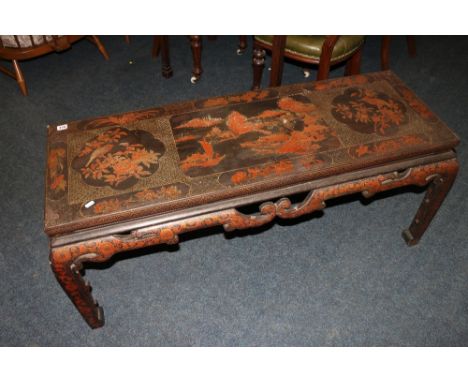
(67, 261)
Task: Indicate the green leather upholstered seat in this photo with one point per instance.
(310, 47)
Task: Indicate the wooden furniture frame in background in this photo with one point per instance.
(353, 62)
(58, 44)
(196, 46)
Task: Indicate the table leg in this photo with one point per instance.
(67, 272)
(435, 195)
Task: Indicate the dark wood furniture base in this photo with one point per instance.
(143, 178)
(67, 260)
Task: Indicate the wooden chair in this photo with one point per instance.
(385, 50)
(196, 46)
(324, 51)
(24, 47)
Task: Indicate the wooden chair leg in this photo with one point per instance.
(242, 45)
(385, 53)
(127, 39)
(156, 46)
(258, 63)
(165, 60)
(196, 46)
(353, 66)
(435, 195)
(277, 56)
(102, 49)
(20, 78)
(411, 42)
(325, 57)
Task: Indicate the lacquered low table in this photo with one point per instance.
(138, 179)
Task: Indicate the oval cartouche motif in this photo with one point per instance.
(368, 111)
(118, 158)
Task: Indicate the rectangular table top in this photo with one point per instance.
(111, 169)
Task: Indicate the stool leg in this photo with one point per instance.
(196, 45)
(435, 195)
(166, 64)
(20, 78)
(353, 66)
(78, 290)
(258, 63)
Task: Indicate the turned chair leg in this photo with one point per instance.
(258, 63)
(165, 60)
(277, 58)
(353, 66)
(435, 195)
(161, 44)
(385, 50)
(411, 42)
(385, 53)
(323, 70)
(156, 46)
(242, 45)
(196, 46)
(100, 46)
(20, 78)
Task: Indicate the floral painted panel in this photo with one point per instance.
(250, 134)
(368, 111)
(118, 158)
